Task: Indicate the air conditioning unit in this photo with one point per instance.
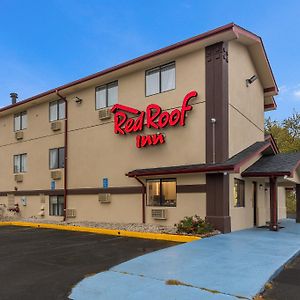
(18, 177)
(56, 175)
(55, 126)
(159, 214)
(71, 213)
(104, 114)
(19, 135)
(104, 198)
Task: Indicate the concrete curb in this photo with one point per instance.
(125, 233)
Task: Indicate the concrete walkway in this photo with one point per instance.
(222, 267)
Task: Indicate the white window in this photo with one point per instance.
(107, 95)
(57, 158)
(160, 79)
(161, 192)
(57, 110)
(20, 121)
(56, 205)
(20, 163)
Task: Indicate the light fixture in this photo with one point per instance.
(77, 100)
(250, 80)
(261, 187)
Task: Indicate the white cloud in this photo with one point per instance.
(297, 93)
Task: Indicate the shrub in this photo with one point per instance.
(194, 225)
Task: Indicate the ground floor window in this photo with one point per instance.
(56, 205)
(161, 192)
(239, 193)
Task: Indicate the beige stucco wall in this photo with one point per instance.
(96, 152)
(246, 104)
(243, 217)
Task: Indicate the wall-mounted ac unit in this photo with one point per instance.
(104, 114)
(18, 177)
(71, 213)
(104, 198)
(19, 135)
(159, 214)
(55, 126)
(56, 175)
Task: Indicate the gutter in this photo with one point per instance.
(65, 154)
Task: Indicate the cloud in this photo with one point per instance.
(297, 93)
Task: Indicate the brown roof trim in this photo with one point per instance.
(270, 89)
(128, 63)
(181, 170)
(237, 166)
(273, 143)
(231, 26)
(266, 174)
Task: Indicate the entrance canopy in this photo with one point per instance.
(282, 164)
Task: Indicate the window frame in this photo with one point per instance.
(56, 214)
(161, 180)
(22, 170)
(115, 83)
(21, 115)
(58, 156)
(240, 202)
(58, 101)
(159, 72)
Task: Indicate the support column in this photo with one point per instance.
(273, 204)
(217, 148)
(298, 203)
(217, 202)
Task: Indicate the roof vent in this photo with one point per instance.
(14, 97)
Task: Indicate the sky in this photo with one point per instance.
(47, 43)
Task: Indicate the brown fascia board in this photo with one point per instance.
(266, 174)
(238, 166)
(271, 106)
(183, 171)
(205, 169)
(273, 143)
(240, 30)
(231, 26)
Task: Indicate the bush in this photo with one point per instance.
(194, 225)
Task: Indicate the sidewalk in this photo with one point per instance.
(222, 267)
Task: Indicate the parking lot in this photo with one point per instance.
(46, 263)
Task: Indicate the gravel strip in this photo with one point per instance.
(140, 227)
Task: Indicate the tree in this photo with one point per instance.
(285, 133)
(287, 137)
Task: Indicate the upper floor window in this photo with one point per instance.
(57, 110)
(57, 158)
(161, 192)
(239, 193)
(107, 95)
(160, 79)
(20, 121)
(20, 163)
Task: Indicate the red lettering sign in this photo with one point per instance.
(153, 117)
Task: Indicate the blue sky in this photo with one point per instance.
(44, 44)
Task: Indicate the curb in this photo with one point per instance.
(124, 233)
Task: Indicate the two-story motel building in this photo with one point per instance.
(174, 133)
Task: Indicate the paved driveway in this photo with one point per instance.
(230, 266)
(45, 264)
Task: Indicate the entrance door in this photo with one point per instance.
(254, 186)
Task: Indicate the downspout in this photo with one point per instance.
(143, 197)
(65, 155)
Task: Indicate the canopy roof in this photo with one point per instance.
(231, 165)
(282, 164)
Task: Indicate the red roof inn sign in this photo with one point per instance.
(153, 117)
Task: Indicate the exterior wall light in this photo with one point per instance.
(250, 80)
(77, 100)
